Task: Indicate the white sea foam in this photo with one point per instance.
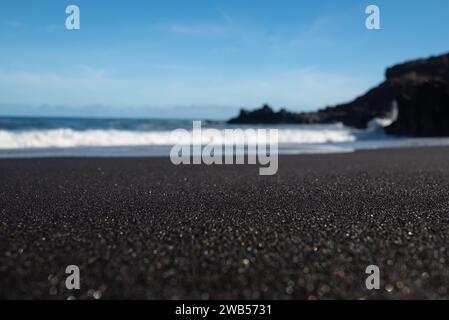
(377, 124)
(69, 138)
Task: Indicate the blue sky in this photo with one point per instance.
(204, 57)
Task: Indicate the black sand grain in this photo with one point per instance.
(144, 228)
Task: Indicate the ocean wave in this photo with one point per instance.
(69, 138)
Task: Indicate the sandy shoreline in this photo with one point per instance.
(144, 228)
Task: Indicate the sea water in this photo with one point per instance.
(55, 137)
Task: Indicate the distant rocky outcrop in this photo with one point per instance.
(266, 115)
(419, 88)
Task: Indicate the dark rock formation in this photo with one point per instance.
(266, 115)
(405, 83)
(424, 113)
(433, 68)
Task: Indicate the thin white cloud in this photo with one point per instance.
(93, 73)
(13, 24)
(53, 28)
(206, 30)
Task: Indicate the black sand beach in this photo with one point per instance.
(144, 228)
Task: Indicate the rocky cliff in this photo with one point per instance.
(419, 87)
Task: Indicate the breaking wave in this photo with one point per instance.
(70, 138)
